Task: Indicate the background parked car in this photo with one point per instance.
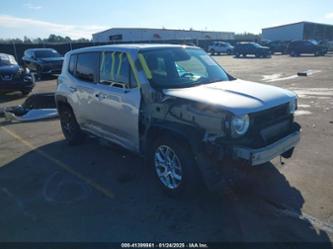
(251, 48)
(278, 47)
(296, 48)
(13, 77)
(43, 60)
(220, 47)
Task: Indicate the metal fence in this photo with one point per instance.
(17, 49)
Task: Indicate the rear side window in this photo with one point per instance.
(72, 64)
(87, 67)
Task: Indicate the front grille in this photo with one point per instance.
(6, 77)
(270, 125)
(270, 116)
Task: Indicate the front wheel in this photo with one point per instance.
(25, 92)
(69, 126)
(174, 167)
(293, 53)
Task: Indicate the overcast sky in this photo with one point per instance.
(39, 18)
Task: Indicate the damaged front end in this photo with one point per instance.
(208, 129)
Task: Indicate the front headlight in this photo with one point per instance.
(292, 106)
(239, 125)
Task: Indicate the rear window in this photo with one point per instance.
(87, 67)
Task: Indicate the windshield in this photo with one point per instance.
(46, 54)
(6, 60)
(182, 67)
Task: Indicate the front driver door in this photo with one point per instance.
(117, 99)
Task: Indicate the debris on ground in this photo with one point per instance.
(36, 107)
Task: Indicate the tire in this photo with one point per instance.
(293, 53)
(212, 51)
(244, 55)
(229, 52)
(257, 55)
(317, 54)
(69, 126)
(25, 92)
(237, 55)
(181, 180)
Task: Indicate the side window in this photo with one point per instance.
(115, 70)
(72, 64)
(87, 68)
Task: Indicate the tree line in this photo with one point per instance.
(51, 39)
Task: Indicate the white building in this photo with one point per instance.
(299, 31)
(146, 34)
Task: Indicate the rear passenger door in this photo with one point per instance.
(85, 68)
(118, 100)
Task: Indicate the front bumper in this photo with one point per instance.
(18, 85)
(51, 69)
(267, 153)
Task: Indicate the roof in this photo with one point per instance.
(155, 29)
(132, 46)
(303, 22)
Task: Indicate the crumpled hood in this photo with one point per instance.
(237, 96)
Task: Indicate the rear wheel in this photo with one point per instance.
(174, 166)
(69, 126)
(212, 51)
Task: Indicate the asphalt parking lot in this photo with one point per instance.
(93, 192)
